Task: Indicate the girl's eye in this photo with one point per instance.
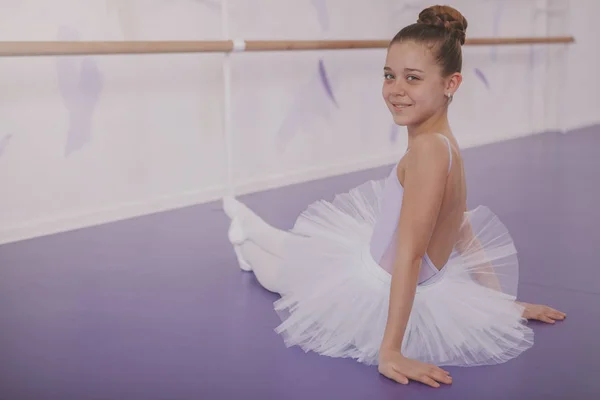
(388, 76)
(412, 78)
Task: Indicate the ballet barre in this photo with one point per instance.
(65, 48)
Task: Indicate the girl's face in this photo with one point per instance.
(414, 89)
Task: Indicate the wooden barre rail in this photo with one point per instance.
(48, 48)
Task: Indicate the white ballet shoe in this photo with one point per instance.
(244, 266)
(230, 206)
(235, 233)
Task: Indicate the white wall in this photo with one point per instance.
(577, 84)
(87, 140)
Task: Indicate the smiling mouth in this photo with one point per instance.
(400, 107)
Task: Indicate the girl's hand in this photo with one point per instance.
(395, 366)
(542, 313)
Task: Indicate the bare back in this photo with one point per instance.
(450, 217)
(446, 231)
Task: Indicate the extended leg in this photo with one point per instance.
(259, 246)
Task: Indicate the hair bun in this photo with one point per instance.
(447, 18)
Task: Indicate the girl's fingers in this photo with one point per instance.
(428, 381)
(396, 376)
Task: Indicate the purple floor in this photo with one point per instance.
(156, 307)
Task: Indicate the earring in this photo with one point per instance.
(449, 96)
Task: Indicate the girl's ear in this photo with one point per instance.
(453, 83)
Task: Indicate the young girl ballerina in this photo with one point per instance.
(397, 273)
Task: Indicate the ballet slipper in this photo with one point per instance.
(244, 266)
(235, 233)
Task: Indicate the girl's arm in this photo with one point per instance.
(424, 186)
(471, 249)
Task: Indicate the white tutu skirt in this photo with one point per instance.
(335, 297)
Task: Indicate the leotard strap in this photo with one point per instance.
(449, 152)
